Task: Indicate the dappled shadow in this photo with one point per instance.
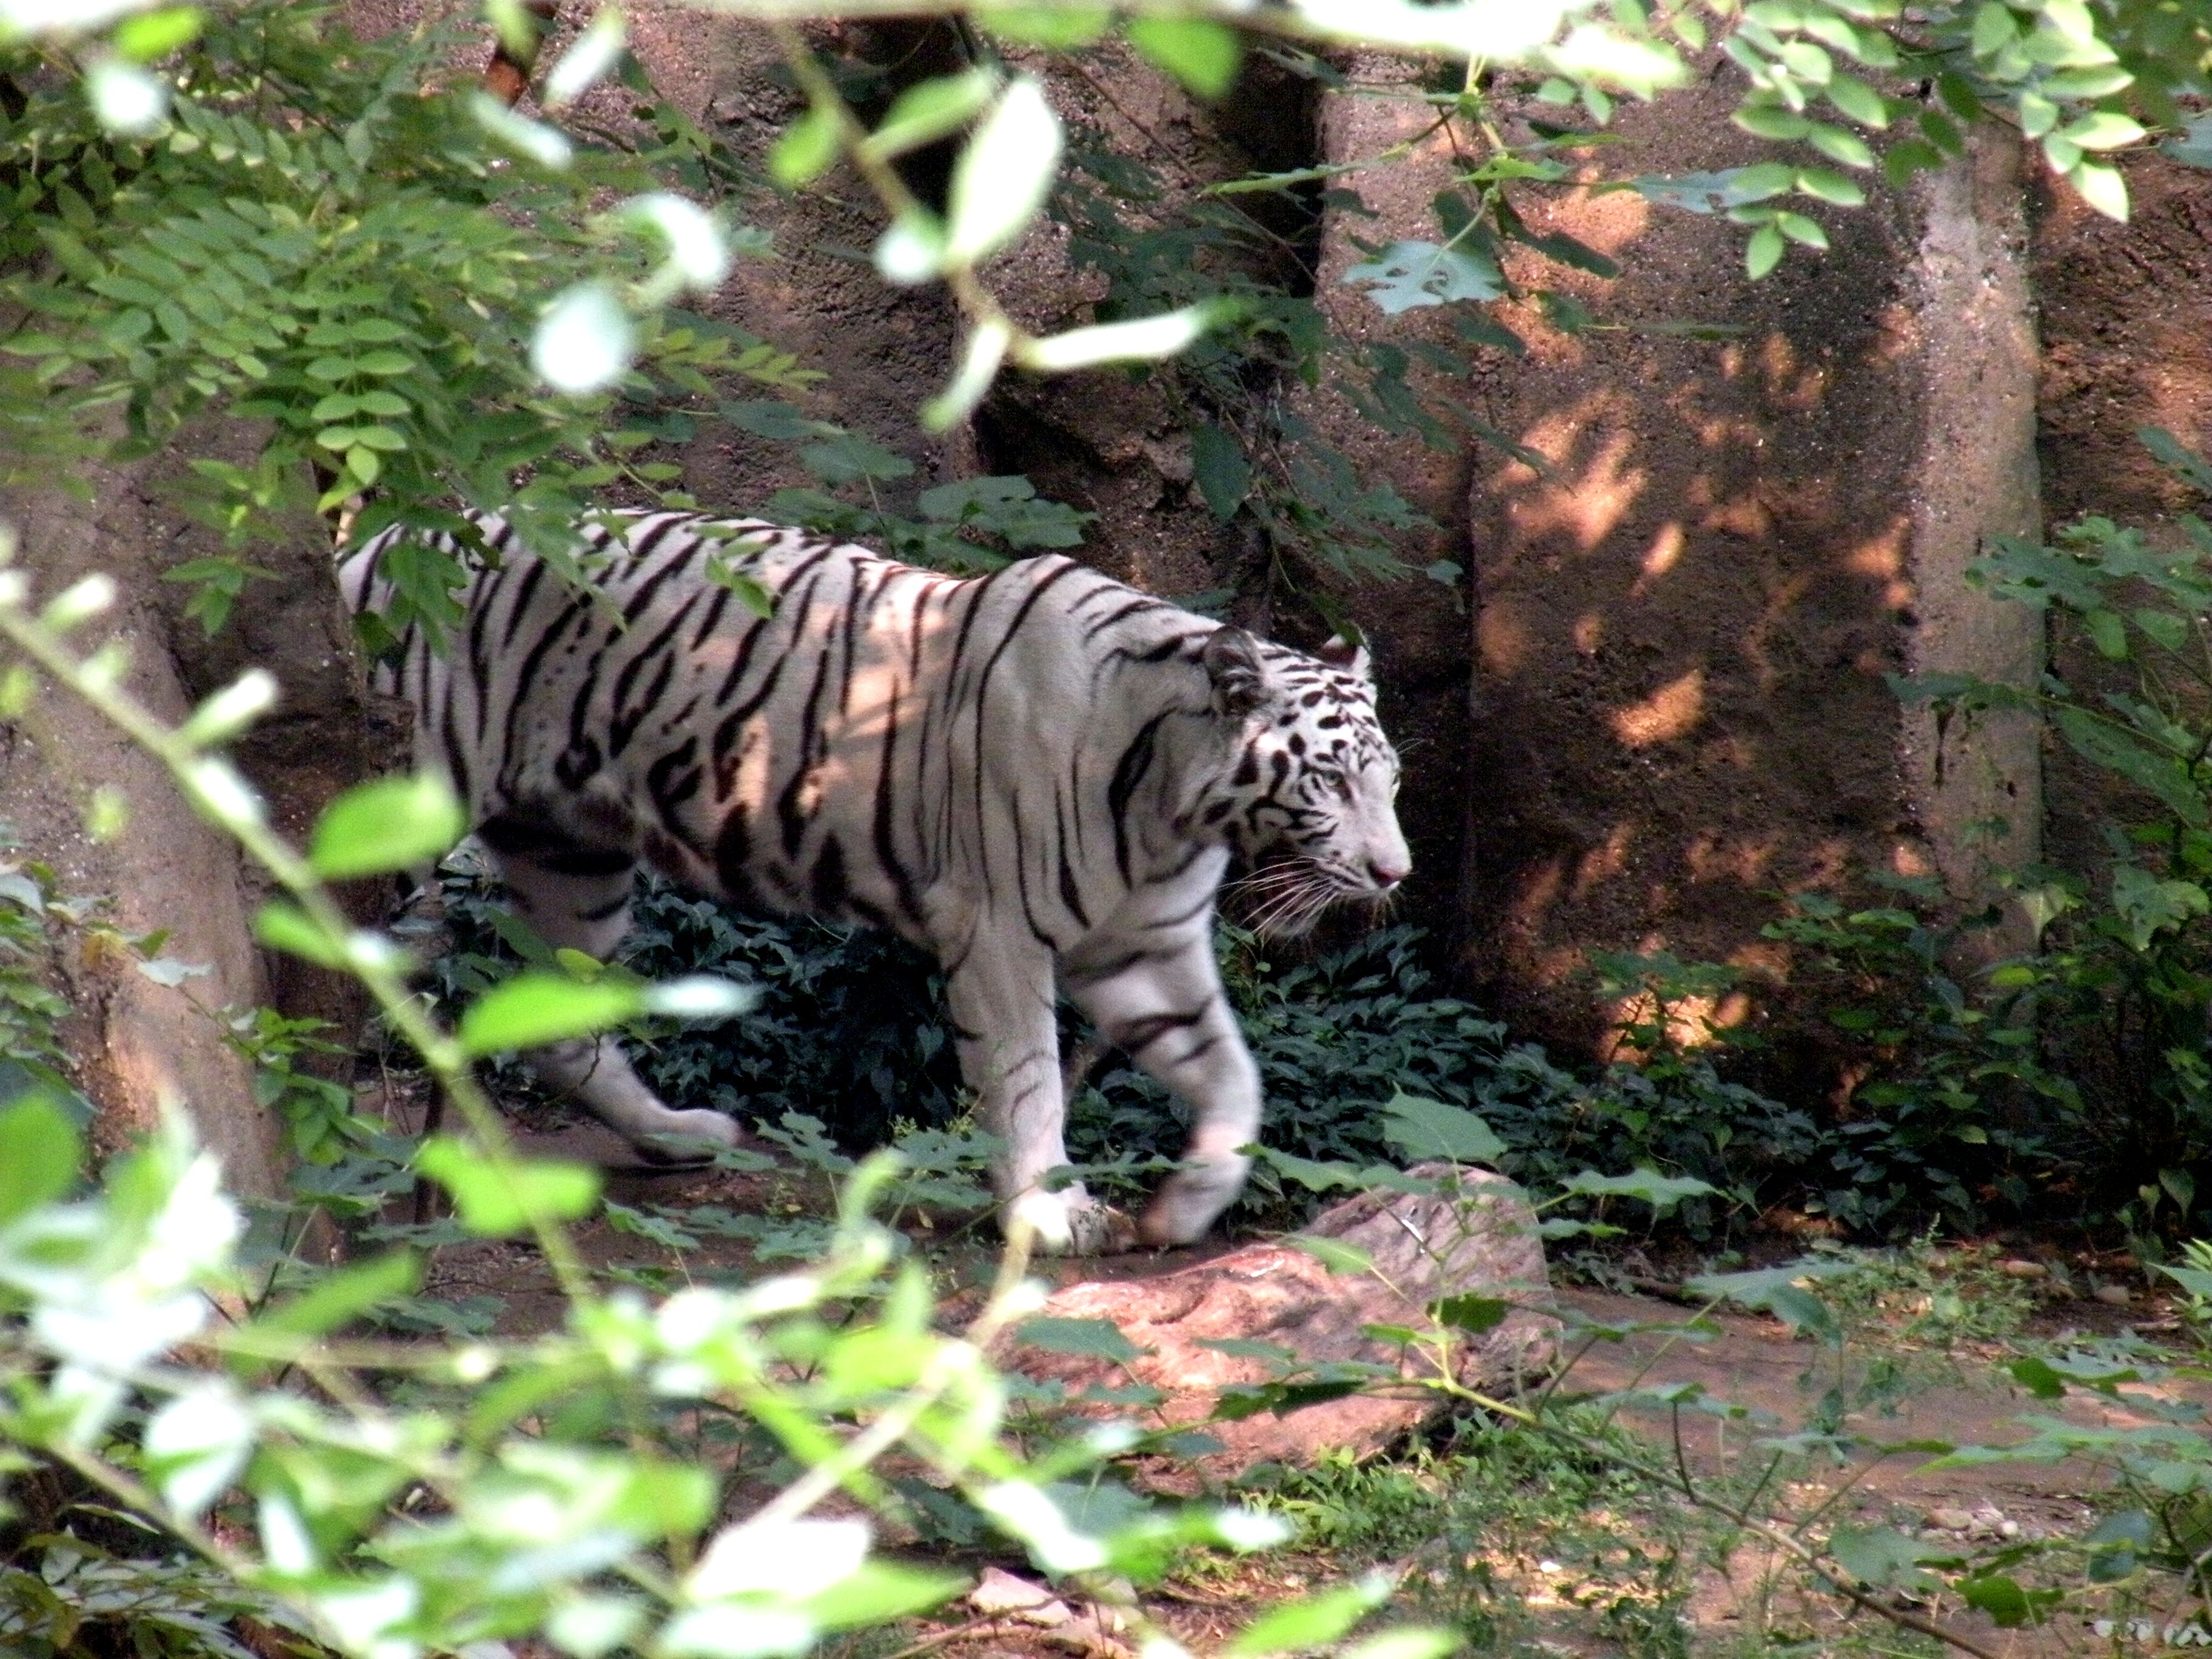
(1684, 619)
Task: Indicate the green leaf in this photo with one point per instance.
(2108, 633)
(1003, 174)
(535, 1008)
(2102, 129)
(1408, 275)
(1713, 192)
(2170, 452)
(1425, 1129)
(40, 1152)
(283, 926)
(2148, 906)
(2134, 1528)
(2193, 147)
(1828, 186)
(1200, 53)
(1098, 1338)
(152, 35)
(1473, 1314)
(1839, 144)
(2162, 628)
(1313, 1621)
(1062, 29)
(1218, 467)
(930, 110)
(344, 1296)
(1768, 121)
(2121, 753)
(2007, 1605)
(2037, 1376)
(1883, 1557)
(1661, 1193)
(1334, 1253)
(1762, 252)
(1857, 100)
(879, 1592)
(1798, 228)
(2102, 187)
(387, 823)
(806, 149)
(496, 1197)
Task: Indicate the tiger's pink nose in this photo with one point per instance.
(1387, 875)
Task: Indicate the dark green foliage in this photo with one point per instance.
(1946, 1126)
(318, 242)
(31, 1056)
(850, 1031)
(2101, 1031)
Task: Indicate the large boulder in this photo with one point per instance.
(1471, 1233)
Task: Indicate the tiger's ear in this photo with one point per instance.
(1239, 676)
(1340, 653)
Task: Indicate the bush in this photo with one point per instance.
(850, 1031)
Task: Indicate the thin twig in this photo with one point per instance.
(952, 1633)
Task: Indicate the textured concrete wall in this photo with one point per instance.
(2126, 318)
(1683, 621)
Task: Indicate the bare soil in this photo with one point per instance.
(1959, 1396)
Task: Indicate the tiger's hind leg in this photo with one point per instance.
(576, 896)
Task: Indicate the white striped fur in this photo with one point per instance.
(1040, 775)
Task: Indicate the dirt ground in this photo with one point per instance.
(1960, 1395)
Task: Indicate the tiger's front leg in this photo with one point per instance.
(1154, 991)
(1000, 998)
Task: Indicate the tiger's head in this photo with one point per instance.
(1307, 793)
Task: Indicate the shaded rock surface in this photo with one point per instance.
(1475, 1238)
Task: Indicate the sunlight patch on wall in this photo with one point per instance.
(1691, 1022)
(1667, 713)
(1665, 552)
(1588, 505)
(1748, 859)
(1502, 637)
(1602, 864)
(1882, 560)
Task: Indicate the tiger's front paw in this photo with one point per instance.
(1189, 1199)
(686, 1137)
(1070, 1222)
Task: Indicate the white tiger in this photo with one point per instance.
(1040, 775)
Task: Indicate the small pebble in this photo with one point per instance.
(999, 1591)
(1950, 1520)
(2115, 1296)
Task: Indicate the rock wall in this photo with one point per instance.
(143, 1047)
(1684, 619)
(2127, 335)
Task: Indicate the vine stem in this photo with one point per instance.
(219, 794)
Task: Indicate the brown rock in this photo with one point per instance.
(1475, 1237)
